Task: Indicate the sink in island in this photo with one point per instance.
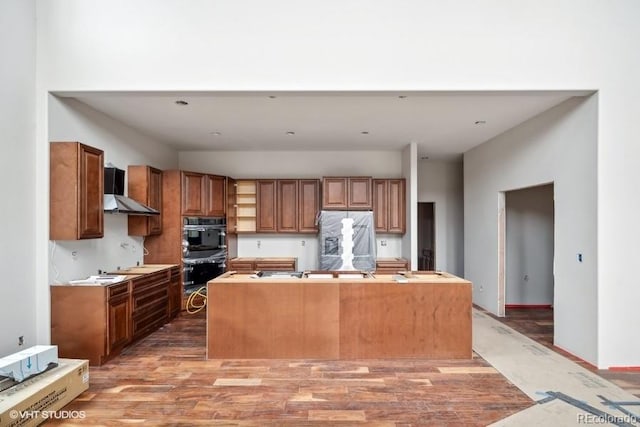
(354, 316)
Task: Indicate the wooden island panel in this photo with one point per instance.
(272, 320)
(405, 320)
(339, 318)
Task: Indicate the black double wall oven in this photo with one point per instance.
(204, 250)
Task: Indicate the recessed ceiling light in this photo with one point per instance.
(181, 102)
(216, 133)
(290, 132)
(480, 122)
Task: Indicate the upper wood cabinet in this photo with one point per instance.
(389, 209)
(349, 193)
(145, 186)
(381, 205)
(266, 206)
(216, 196)
(194, 186)
(308, 205)
(76, 191)
(286, 205)
(203, 195)
(334, 193)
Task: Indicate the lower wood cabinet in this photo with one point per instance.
(96, 322)
(149, 301)
(119, 318)
(251, 265)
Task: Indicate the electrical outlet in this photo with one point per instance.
(303, 243)
(258, 243)
(21, 340)
(74, 255)
(383, 243)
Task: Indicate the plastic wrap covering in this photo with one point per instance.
(332, 240)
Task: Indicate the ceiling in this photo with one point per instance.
(443, 124)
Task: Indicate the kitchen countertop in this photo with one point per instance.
(144, 269)
(127, 274)
(418, 277)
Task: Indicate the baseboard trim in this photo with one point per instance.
(528, 306)
(624, 368)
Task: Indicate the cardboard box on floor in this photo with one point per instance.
(42, 397)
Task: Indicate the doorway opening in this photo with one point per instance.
(526, 251)
(426, 236)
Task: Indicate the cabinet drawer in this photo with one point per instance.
(148, 300)
(149, 323)
(148, 281)
(119, 290)
(242, 266)
(391, 266)
(273, 266)
(174, 274)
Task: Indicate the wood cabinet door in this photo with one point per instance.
(232, 206)
(194, 194)
(308, 205)
(216, 196)
(397, 206)
(381, 205)
(119, 323)
(266, 206)
(359, 193)
(287, 205)
(155, 201)
(175, 293)
(91, 192)
(334, 193)
(145, 186)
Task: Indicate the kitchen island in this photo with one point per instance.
(422, 315)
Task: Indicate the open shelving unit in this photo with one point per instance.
(246, 206)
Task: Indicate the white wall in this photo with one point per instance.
(410, 174)
(379, 45)
(17, 171)
(71, 120)
(296, 164)
(557, 146)
(441, 182)
(529, 244)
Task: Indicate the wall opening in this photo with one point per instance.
(527, 235)
(426, 236)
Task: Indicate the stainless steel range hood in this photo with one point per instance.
(115, 203)
(114, 199)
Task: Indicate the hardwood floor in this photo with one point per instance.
(537, 324)
(165, 380)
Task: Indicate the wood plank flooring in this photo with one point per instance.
(165, 380)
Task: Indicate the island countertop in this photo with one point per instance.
(417, 277)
